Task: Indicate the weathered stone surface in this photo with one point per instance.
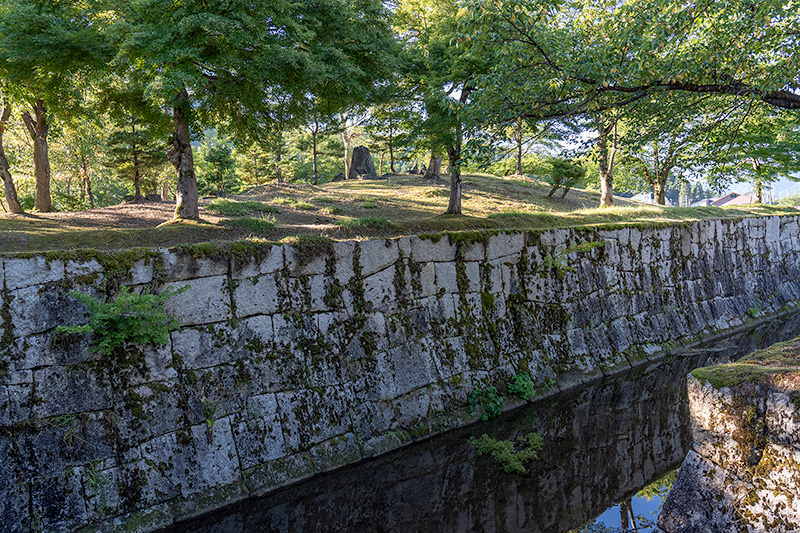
(743, 466)
(361, 165)
(206, 301)
(286, 363)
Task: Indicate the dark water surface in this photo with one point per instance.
(603, 443)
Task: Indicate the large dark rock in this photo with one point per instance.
(362, 167)
(339, 177)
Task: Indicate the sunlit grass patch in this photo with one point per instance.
(332, 210)
(294, 202)
(364, 223)
(236, 208)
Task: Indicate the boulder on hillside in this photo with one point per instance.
(338, 177)
(153, 198)
(361, 166)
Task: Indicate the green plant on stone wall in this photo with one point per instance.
(522, 386)
(129, 318)
(489, 401)
(510, 455)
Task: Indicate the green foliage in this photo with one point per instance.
(235, 208)
(522, 386)
(531, 164)
(790, 201)
(130, 318)
(488, 400)
(254, 224)
(659, 488)
(510, 455)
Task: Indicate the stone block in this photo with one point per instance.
(504, 245)
(377, 255)
(206, 301)
(20, 273)
(424, 250)
(259, 295)
(257, 431)
(58, 501)
(179, 266)
(36, 309)
(311, 416)
(406, 368)
(446, 278)
(142, 271)
(63, 390)
(268, 261)
(306, 263)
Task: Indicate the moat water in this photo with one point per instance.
(610, 451)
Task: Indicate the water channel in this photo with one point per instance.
(603, 443)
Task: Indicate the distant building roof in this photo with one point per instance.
(728, 198)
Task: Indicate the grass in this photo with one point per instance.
(256, 225)
(352, 208)
(294, 202)
(364, 223)
(236, 208)
(779, 360)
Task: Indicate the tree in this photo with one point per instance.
(136, 153)
(219, 63)
(220, 159)
(46, 49)
(588, 57)
(761, 147)
(564, 174)
(8, 182)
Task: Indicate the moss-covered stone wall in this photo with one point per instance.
(290, 360)
(743, 470)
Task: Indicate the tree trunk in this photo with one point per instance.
(660, 187)
(165, 191)
(347, 140)
(453, 155)
(255, 168)
(519, 147)
(380, 164)
(8, 184)
(758, 184)
(41, 162)
(434, 167)
(87, 176)
(137, 187)
(278, 153)
(180, 155)
(314, 152)
(606, 162)
(391, 154)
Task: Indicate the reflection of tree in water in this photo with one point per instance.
(629, 520)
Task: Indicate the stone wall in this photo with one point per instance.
(292, 360)
(742, 472)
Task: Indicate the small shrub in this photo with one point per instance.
(130, 318)
(488, 400)
(256, 225)
(510, 455)
(753, 311)
(364, 223)
(522, 386)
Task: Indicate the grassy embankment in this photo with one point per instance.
(350, 209)
(778, 364)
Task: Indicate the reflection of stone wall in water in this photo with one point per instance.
(743, 470)
(294, 360)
